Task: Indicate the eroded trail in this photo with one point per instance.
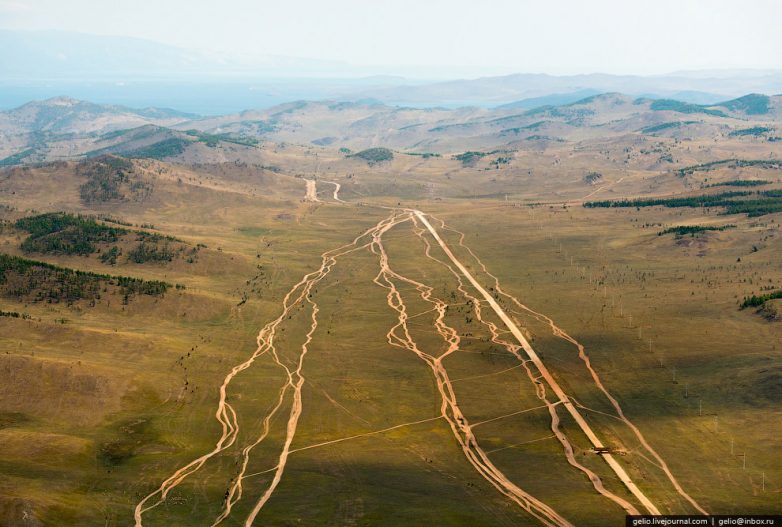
(291, 365)
(296, 381)
(337, 188)
(311, 190)
(540, 389)
(545, 374)
(399, 336)
(225, 413)
(561, 333)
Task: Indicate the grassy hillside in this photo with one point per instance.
(110, 385)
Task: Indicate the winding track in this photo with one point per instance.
(337, 188)
(399, 336)
(226, 414)
(559, 332)
(513, 349)
(544, 372)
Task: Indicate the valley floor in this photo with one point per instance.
(380, 362)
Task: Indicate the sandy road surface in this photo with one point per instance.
(545, 374)
(399, 336)
(540, 390)
(226, 415)
(582, 354)
(312, 190)
(337, 188)
(300, 296)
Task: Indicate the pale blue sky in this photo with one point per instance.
(488, 36)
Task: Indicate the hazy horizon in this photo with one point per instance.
(440, 39)
(212, 59)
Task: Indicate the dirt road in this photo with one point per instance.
(399, 336)
(291, 363)
(582, 354)
(337, 188)
(513, 349)
(298, 295)
(544, 372)
(312, 191)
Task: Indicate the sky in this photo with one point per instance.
(444, 37)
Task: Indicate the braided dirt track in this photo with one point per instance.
(291, 364)
(544, 372)
(514, 349)
(399, 336)
(226, 414)
(559, 332)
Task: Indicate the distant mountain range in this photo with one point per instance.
(65, 115)
(527, 90)
(137, 72)
(66, 128)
